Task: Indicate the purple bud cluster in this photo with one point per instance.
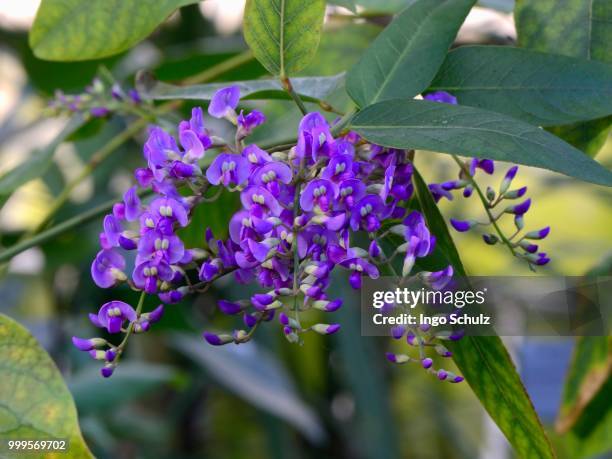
(521, 246)
(301, 208)
(98, 101)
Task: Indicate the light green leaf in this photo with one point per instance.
(39, 162)
(405, 57)
(77, 30)
(539, 88)
(469, 131)
(283, 34)
(310, 88)
(577, 28)
(484, 361)
(34, 401)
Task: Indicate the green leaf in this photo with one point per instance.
(283, 34)
(405, 57)
(469, 131)
(590, 436)
(39, 162)
(591, 367)
(34, 401)
(132, 380)
(311, 88)
(77, 30)
(589, 137)
(541, 89)
(256, 376)
(484, 360)
(577, 28)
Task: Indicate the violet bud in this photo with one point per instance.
(505, 184)
(374, 250)
(325, 329)
(442, 374)
(228, 307)
(87, 344)
(249, 320)
(426, 363)
(442, 351)
(519, 209)
(490, 239)
(515, 194)
(461, 225)
(217, 340)
(398, 331)
(107, 370)
(528, 246)
(538, 234)
(397, 358)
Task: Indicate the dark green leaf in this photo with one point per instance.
(470, 131)
(131, 380)
(405, 57)
(76, 30)
(256, 376)
(313, 88)
(484, 360)
(577, 28)
(542, 89)
(283, 34)
(39, 162)
(34, 401)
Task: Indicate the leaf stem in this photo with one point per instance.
(286, 82)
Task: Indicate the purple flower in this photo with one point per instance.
(169, 210)
(107, 268)
(147, 274)
(113, 314)
(132, 204)
(228, 169)
(319, 194)
(367, 213)
(112, 230)
(246, 123)
(224, 101)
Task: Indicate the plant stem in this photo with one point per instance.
(485, 204)
(286, 82)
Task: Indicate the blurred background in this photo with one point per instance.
(174, 396)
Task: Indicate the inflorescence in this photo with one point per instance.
(301, 207)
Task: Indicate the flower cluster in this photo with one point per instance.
(520, 246)
(98, 101)
(301, 208)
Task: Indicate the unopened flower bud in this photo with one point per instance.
(490, 193)
(397, 358)
(490, 239)
(463, 225)
(217, 340)
(325, 329)
(538, 234)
